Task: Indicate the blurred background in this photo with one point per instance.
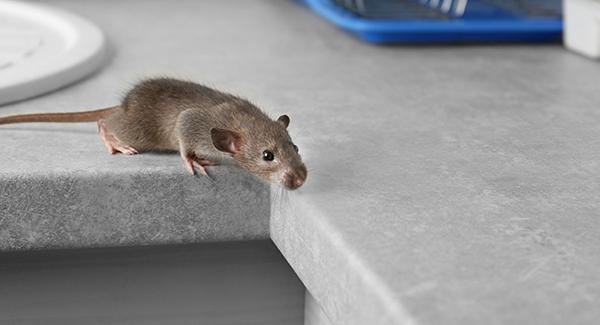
(44, 45)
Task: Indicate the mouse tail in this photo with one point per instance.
(87, 116)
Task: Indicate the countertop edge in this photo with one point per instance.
(85, 209)
(338, 279)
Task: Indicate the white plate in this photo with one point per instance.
(43, 48)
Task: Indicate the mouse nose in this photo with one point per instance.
(292, 181)
(298, 182)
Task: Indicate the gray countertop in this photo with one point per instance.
(447, 185)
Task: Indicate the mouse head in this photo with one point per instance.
(271, 154)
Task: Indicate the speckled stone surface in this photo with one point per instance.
(447, 185)
(124, 207)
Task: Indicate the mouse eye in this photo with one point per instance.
(296, 148)
(268, 155)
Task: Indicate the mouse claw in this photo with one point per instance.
(201, 164)
(189, 166)
(200, 169)
(128, 150)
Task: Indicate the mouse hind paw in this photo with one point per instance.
(112, 143)
(125, 149)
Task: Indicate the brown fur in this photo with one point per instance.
(170, 114)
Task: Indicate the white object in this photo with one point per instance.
(582, 26)
(42, 48)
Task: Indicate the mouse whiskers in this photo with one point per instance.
(280, 201)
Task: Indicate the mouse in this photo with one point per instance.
(206, 126)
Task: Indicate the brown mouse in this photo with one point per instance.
(205, 125)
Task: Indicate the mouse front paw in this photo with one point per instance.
(193, 163)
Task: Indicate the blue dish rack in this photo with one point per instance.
(423, 21)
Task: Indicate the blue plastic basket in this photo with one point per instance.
(413, 21)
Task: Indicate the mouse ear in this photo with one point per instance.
(226, 140)
(285, 120)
